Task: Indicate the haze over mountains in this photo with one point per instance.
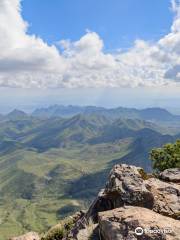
(145, 114)
(54, 161)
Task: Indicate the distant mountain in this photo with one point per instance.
(16, 114)
(158, 114)
(79, 129)
(65, 111)
(153, 114)
(64, 132)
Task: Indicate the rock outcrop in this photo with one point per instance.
(28, 236)
(132, 198)
(137, 223)
(126, 186)
(166, 197)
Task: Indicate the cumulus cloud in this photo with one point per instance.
(27, 61)
(23, 57)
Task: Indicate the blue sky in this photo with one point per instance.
(118, 22)
(105, 52)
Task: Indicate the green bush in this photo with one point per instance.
(55, 234)
(166, 157)
(60, 231)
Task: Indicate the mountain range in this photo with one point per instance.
(156, 114)
(55, 163)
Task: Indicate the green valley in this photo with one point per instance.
(52, 167)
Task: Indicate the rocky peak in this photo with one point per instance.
(133, 198)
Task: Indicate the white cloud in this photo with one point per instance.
(27, 61)
(22, 57)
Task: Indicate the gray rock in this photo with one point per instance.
(90, 232)
(121, 224)
(28, 236)
(166, 197)
(125, 186)
(128, 186)
(171, 175)
(131, 186)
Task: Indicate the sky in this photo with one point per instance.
(106, 52)
(118, 23)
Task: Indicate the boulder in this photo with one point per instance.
(171, 175)
(130, 223)
(90, 232)
(125, 186)
(166, 197)
(28, 236)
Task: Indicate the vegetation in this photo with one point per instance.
(60, 231)
(166, 157)
(50, 168)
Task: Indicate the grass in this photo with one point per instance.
(50, 202)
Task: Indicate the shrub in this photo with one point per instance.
(166, 157)
(59, 231)
(55, 234)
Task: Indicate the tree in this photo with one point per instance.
(166, 157)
